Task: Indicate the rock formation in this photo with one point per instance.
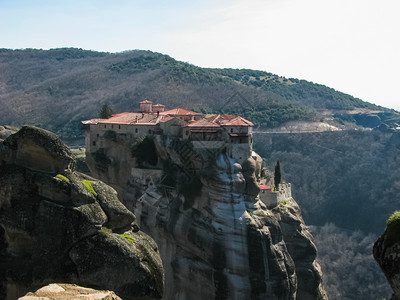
(387, 253)
(217, 239)
(58, 225)
(67, 292)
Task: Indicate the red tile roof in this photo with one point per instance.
(229, 120)
(130, 118)
(179, 111)
(264, 187)
(202, 123)
(153, 118)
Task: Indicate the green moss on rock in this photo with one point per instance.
(63, 178)
(88, 185)
(128, 237)
(392, 234)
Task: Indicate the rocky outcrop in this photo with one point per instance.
(6, 131)
(386, 252)
(39, 150)
(302, 249)
(217, 239)
(58, 225)
(67, 292)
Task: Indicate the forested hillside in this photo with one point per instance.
(57, 88)
(348, 183)
(349, 178)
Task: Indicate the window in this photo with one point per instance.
(97, 135)
(94, 143)
(105, 126)
(112, 126)
(119, 126)
(187, 132)
(136, 130)
(149, 131)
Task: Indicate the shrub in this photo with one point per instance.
(392, 233)
(394, 218)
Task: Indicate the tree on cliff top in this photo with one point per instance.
(277, 175)
(106, 112)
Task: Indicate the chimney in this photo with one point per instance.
(158, 108)
(146, 106)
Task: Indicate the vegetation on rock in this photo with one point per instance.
(63, 178)
(88, 185)
(128, 237)
(277, 175)
(392, 232)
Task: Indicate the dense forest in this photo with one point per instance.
(56, 89)
(347, 185)
(346, 182)
(349, 178)
(349, 270)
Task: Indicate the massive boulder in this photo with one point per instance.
(67, 292)
(387, 253)
(58, 225)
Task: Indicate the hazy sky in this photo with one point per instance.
(350, 45)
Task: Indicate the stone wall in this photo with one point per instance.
(272, 198)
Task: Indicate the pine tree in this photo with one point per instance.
(106, 112)
(277, 175)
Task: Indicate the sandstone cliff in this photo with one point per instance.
(217, 239)
(58, 225)
(387, 253)
(68, 292)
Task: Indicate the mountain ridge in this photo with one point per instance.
(57, 88)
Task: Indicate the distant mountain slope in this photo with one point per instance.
(57, 88)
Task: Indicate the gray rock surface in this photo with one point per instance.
(302, 249)
(62, 291)
(59, 225)
(386, 252)
(216, 239)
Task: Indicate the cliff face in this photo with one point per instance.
(58, 225)
(387, 253)
(217, 239)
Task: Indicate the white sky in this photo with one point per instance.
(350, 45)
